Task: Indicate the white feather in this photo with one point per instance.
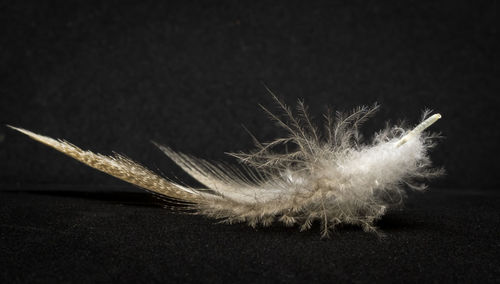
(335, 179)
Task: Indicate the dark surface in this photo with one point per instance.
(93, 234)
(111, 75)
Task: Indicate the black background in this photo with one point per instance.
(111, 76)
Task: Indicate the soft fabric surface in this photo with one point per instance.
(90, 234)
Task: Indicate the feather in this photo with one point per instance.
(335, 179)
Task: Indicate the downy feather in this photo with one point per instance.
(330, 177)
